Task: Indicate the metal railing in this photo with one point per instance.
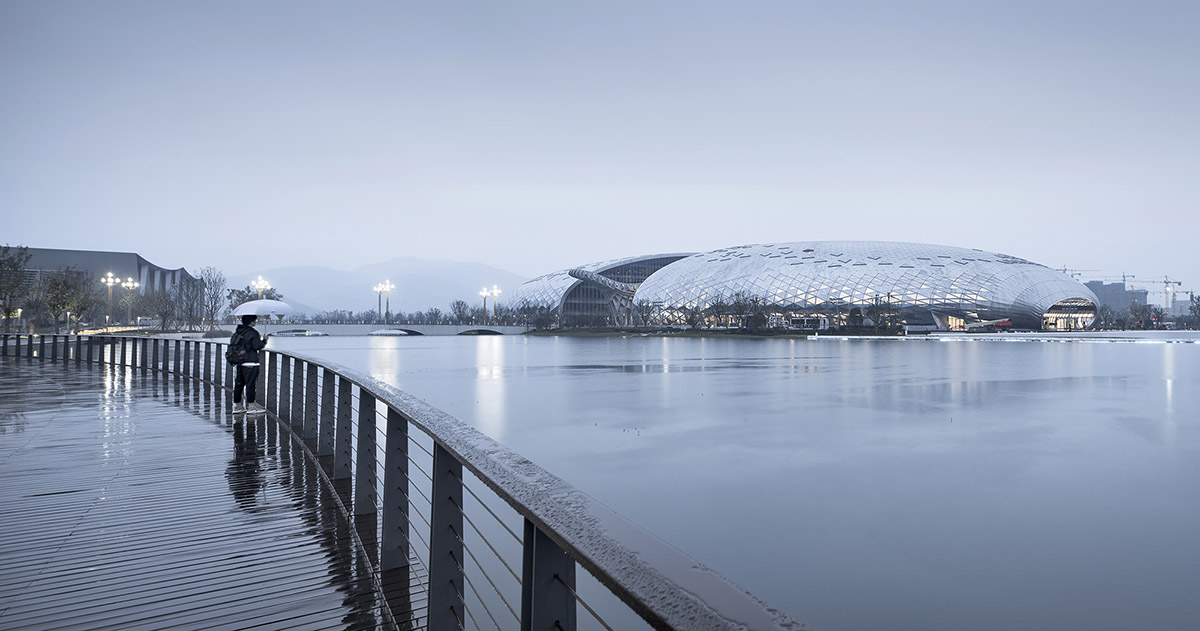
(462, 533)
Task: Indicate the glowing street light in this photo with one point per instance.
(261, 285)
(129, 286)
(110, 281)
(383, 288)
(494, 292)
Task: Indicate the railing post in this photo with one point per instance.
(155, 365)
(365, 477)
(42, 346)
(4, 347)
(284, 411)
(545, 604)
(310, 402)
(327, 421)
(29, 347)
(208, 363)
(394, 549)
(186, 369)
(195, 371)
(175, 365)
(296, 411)
(269, 359)
(90, 343)
(445, 547)
(124, 342)
(78, 349)
(54, 347)
(228, 368)
(342, 457)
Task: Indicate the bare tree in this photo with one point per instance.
(434, 315)
(163, 305)
(14, 281)
(190, 296)
(213, 282)
(461, 311)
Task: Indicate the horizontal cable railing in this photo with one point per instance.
(404, 491)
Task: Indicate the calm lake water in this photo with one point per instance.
(863, 484)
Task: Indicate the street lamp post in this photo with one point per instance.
(261, 285)
(495, 301)
(109, 281)
(384, 290)
(378, 289)
(387, 301)
(129, 286)
(485, 292)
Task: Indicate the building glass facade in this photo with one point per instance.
(571, 301)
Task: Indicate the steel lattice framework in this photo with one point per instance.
(920, 283)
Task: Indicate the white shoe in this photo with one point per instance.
(255, 408)
(239, 407)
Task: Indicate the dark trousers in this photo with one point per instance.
(247, 379)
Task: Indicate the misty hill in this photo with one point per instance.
(420, 284)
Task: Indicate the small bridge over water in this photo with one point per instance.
(398, 329)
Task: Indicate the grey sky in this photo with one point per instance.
(534, 136)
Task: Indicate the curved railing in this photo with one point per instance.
(443, 543)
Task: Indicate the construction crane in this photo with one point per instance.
(1074, 273)
(1168, 290)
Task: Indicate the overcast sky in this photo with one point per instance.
(535, 136)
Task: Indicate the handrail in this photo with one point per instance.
(667, 588)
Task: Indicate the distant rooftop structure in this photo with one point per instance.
(843, 282)
(1117, 296)
(151, 278)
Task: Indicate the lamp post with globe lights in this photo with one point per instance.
(384, 289)
(129, 286)
(495, 301)
(485, 292)
(261, 285)
(378, 289)
(109, 281)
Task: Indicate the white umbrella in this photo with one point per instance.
(264, 308)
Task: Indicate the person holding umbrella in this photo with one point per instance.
(247, 339)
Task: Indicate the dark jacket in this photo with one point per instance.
(254, 342)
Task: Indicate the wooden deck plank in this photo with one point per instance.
(134, 501)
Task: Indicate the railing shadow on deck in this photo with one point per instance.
(460, 532)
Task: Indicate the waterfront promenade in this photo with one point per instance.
(134, 500)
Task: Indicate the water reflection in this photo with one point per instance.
(490, 391)
(952, 485)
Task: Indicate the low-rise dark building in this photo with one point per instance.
(151, 278)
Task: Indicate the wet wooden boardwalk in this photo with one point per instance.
(132, 501)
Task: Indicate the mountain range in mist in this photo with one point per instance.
(420, 284)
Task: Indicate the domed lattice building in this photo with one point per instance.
(827, 283)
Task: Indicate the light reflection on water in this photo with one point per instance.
(859, 484)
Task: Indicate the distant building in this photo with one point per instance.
(1117, 296)
(1181, 305)
(150, 277)
(841, 282)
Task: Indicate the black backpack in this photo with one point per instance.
(238, 351)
